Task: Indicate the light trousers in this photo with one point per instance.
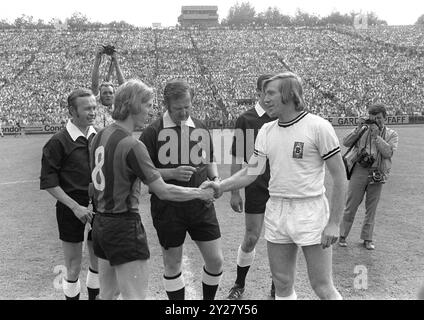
(358, 187)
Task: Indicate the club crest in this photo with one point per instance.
(298, 150)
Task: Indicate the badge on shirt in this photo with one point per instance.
(298, 150)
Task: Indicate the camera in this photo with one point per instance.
(369, 122)
(365, 160)
(376, 176)
(108, 49)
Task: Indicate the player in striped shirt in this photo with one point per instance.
(118, 162)
(298, 145)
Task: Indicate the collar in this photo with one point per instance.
(292, 122)
(169, 123)
(75, 132)
(259, 110)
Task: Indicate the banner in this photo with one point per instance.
(353, 121)
(211, 124)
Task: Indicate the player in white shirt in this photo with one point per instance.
(297, 145)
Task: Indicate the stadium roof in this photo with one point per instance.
(199, 8)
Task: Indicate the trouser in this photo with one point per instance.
(358, 186)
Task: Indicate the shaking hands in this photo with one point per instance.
(213, 185)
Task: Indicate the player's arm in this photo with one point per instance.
(241, 179)
(119, 74)
(236, 201)
(338, 174)
(81, 212)
(172, 192)
(95, 72)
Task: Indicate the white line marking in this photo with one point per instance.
(18, 182)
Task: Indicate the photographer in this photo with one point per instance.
(106, 92)
(375, 149)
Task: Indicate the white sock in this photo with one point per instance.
(92, 279)
(174, 284)
(245, 259)
(293, 296)
(71, 289)
(211, 280)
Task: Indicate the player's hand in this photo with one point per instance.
(236, 202)
(216, 186)
(184, 173)
(330, 235)
(83, 213)
(207, 195)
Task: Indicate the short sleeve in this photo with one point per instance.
(260, 144)
(141, 164)
(51, 161)
(327, 141)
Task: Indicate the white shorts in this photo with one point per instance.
(299, 221)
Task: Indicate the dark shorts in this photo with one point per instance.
(172, 222)
(119, 238)
(256, 197)
(71, 229)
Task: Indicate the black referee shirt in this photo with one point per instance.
(65, 163)
(250, 120)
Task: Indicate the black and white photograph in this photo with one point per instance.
(242, 151)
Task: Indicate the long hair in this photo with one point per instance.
(129, 97)
(290, 88)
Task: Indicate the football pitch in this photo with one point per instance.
(31, 254)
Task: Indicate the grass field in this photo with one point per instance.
(30, 251)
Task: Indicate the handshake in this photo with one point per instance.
(212, 190)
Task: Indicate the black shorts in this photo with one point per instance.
(119, 238)
(256, 197)
(71, 229)
(173, 221)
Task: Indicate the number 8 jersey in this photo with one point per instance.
(118, 162)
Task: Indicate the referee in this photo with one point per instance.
(172, 220)
(65, 174)
(256, 194)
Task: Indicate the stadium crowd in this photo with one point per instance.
(342, 73)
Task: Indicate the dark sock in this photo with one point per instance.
(176, 295)
(209, 290)
(73, 298)
(92, 293)
(241, 275)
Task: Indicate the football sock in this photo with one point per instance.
(175, 287)
(92, 284)
(244, 261)
(210, 283)
(71, 289)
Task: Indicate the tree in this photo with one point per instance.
(420, 21)
(374, 20)
(338, 19)
(78, 20)
(303, 18)
(24, 21)
(241, 14)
